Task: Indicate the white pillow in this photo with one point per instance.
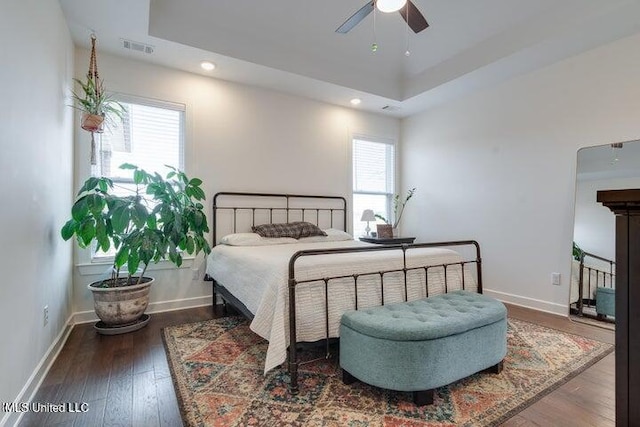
(254, 239)
(333, 235)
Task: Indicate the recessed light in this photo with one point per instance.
(208, 65)
(355, 101)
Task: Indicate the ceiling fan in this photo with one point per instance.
(407, 9)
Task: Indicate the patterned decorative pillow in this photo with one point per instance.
(295, 229)
(308, 229)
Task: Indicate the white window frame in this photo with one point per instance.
(394, 175)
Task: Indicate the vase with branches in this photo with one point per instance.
(398, 210)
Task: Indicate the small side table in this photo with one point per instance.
(388, 240)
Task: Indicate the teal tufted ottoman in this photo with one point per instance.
(605, 302)
(420, 345)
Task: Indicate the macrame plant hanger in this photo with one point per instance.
(92, 74)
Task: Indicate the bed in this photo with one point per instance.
(296, 290)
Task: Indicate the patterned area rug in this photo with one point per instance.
(217, 368)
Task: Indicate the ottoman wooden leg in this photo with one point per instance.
(423, 397)
(347, 378)
(497, 368)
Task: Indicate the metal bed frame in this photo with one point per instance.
(602, 278)
(289, 206)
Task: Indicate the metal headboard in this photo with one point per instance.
(274, 207)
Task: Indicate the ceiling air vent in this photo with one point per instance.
(390, 108)
(137, 46)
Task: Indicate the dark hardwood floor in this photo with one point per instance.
(125, 379)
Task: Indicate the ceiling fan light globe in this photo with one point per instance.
(388, 6)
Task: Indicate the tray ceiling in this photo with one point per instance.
(292, 46)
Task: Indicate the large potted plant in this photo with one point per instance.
(162, 219)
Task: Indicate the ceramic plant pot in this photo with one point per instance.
(91, 122)
(121, 306)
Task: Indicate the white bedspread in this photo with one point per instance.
(257, 276)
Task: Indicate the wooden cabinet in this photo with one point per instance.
(625, 204)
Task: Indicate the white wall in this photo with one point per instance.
(499, 166)
(238, 138)
(595, 225)
(36, 171)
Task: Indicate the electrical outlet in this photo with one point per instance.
(45, 315)
(555, 279)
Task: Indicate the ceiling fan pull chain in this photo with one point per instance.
(407, 52)
(374, 46)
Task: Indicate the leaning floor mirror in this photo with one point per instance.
(607, 167)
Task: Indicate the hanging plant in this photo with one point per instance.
(98, 108)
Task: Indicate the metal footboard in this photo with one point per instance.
(293, 362)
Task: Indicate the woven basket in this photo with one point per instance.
(385, 231)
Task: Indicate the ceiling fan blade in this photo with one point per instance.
(356, 17)
(414, 18)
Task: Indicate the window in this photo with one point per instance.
(150, 136)
(373, 180)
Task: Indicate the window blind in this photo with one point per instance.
(373, 180)
(372, 167)
(149, 137)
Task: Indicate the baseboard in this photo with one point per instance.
(32, 385)
(535, 304)
(154, 307)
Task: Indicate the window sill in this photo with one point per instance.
(103, 266)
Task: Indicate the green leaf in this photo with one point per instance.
(128, 166)
(140, 215)
(151, 222)
(382, 218)
(80, 209)
(101, 236)
(199, 193)
(87, 231)
(96, 204)
(133, 262)
(190, 245)
(138, 176)
(120, 219)
(68, 229)
(104, 184)
(89, 185)
(205, 247)
(121, 257)
(199, 219)
(195, 181)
